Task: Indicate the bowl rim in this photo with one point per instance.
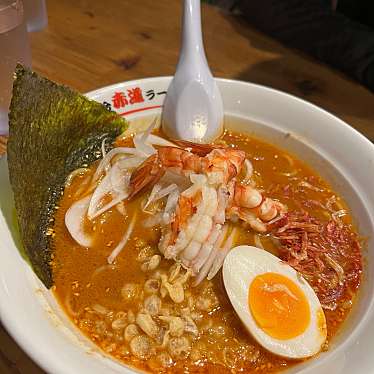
(101, 90)
(49, 363)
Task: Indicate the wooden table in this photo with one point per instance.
(89, 44)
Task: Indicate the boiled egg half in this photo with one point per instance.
(276, 304)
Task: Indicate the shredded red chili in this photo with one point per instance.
(327, 254)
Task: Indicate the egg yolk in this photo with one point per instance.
(278, 306)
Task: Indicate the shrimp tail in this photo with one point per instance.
(146, 175)
(197, 148)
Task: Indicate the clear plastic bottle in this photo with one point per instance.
(14, 47)
(36, 14)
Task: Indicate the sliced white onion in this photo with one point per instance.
(154, 220)
(149, 130)
(119, 178)
(213, 253)
(157, 140)
(170, 206)
(156, 188)
(166, 191)
(310, 186)
(222, 253)
(158, 193)
(119, 198)
(258, 242)
(105, 162)
(248, 171)
(121, 208)
(339, 213)
(103, 151)
(144, 141)
(337, 267)
(121, 245)
(74, 221)
(141, 140)
(129, 162)
(103, 189)
(276, 219)
(116, 184)
(171, 177)
(142, 147)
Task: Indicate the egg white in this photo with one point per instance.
(241, 266)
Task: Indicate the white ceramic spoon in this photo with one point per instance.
(193, 107)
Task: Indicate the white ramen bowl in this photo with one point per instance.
(335, 150)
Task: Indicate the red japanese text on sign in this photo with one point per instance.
(134, 95)
(119, 100)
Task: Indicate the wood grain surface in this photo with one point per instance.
(93, 43)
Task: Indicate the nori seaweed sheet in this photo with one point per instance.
(52, 131)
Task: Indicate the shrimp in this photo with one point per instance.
(192, 225)
(198, 228)
(183, 212)
(194, 234)
(220, 165)
(248, 204)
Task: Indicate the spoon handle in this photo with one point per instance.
(192, 50)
